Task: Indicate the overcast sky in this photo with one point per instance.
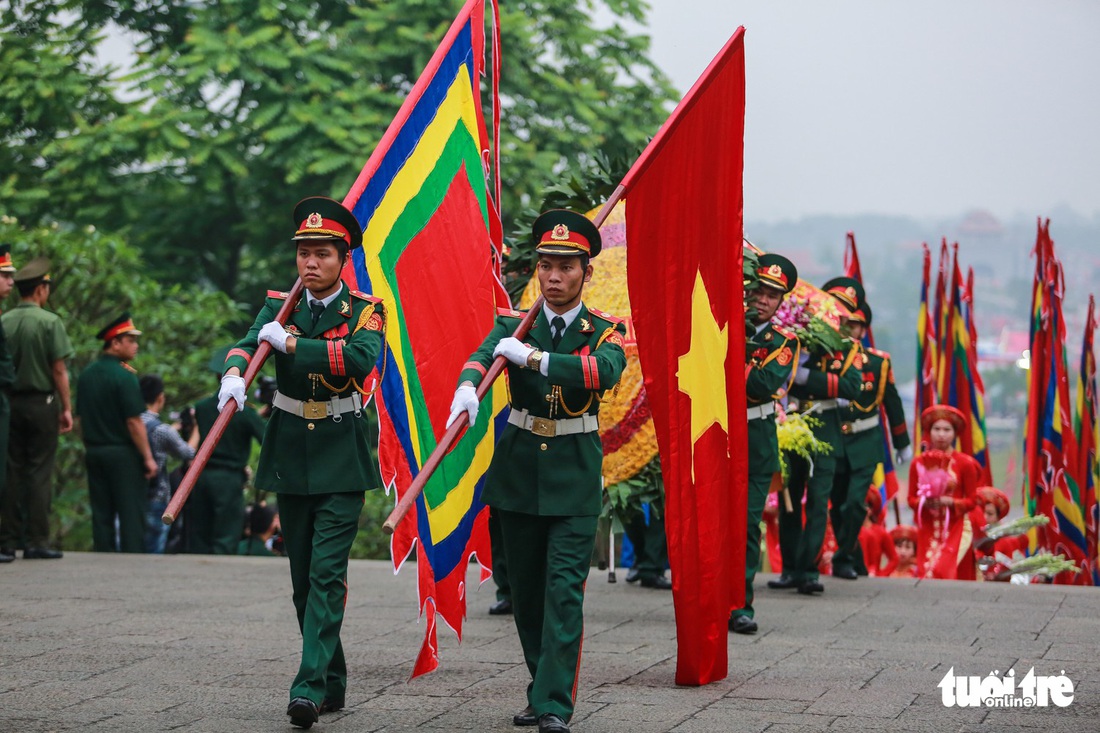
(924, 109)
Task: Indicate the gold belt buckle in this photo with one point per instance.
(544, 427)
(314, 410)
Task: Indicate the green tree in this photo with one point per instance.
(235, 110)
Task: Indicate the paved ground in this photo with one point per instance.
(141, 643)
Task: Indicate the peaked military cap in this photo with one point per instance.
(36, 269)
(776, 271)
(5, 258)
(847, 290)
(119, 327)
(861, 314)
(319, 217)
(564, 232)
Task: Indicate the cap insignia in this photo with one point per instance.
(314, 221)
(560, 233)
(850, 292)
(775, 271)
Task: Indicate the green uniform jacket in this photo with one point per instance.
(332, 359)
(831, 376)
(556, 476)
(877, 388)
(771, 357)
(7, 368)
(235, 447)
(107, 393)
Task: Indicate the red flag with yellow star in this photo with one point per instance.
(684, 225)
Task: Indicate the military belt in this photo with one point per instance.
(859, 426)
(820, 406)
(759, 412)
(548, 428)
(319, 410)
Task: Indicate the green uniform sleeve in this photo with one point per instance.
(130, 392)
(60, 346)
(895, 412)
(597, 371)
(477, 365)
(768, 376)
(353, 357)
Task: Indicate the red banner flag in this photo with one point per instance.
(684, 203)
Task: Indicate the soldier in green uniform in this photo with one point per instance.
(116, 445)
(861, 435)
(818, 384)
(40, 411)
(7, 377)
(771, 356)
(215, 508)
(544, 479)
(316, 449)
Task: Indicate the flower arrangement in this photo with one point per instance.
(813, 316)
(796, 436)
(934, 480)
(1015, 527)
(1044, 563)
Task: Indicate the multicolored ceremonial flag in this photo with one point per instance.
(977, 394)
(1085, 469)
(927, 354)
(684, 202)
(431, 253)
(885, 480)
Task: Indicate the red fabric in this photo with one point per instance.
(945, 534)
(877, 545)
(684, 222)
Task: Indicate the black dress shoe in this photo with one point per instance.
(659, 582)
(632, 575)
(501, 608)
(330, 705)
(550, 723)
(783, 582)
(41, 553)
(742, 625)
(5, 557)
(845, 572)
(810, 587)
(525, 717)
(303, 712)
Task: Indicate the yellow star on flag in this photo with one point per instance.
(701, 371)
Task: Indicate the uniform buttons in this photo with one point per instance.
(310, 426)
(542, 447)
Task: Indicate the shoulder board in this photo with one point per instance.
(606, 316)
(127, 367)
(510, 313)
(784, 332)
(278, 294)
(880, 353)
(363, 296)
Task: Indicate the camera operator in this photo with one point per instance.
(263, 536)
(216, 506)
(164, 441)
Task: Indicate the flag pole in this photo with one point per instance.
(228, 410)
(495, 370)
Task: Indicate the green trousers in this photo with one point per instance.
(117, 487)
(799, 543)
(849, 509)
(7, 533)
(500, 559)
(548, 563)
(318, 532)
(215, 510)
(650, 544)
(759, 483)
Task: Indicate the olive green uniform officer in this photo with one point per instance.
(40, 411)
(316, 449)
(215, 508)
(771, 355)
(544, 479)
(818, 384)
(861, 429)
(7, 377)
(116, 444)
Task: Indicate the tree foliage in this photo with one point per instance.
(233, 111)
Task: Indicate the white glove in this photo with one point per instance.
(274, 334)
(232, 387)
(465, 400)
(801, 375)
(841, 402)
(513, 350)
(903, 456)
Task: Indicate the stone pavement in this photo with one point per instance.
(188, 643)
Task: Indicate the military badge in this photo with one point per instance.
(293, 330)
(785, 356)
(835, 366)
(615, 338)
(775, 271)
(345, 308)
(768, 336)
(586, 327)
(560, 233)
(314, 221)
(375, 322)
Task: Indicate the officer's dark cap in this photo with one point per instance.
(322, 218)
(847, 290)
(776, 271)
(564, 232)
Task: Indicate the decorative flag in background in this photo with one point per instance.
(927, 356)
(1084, 423)
(684, 203)
(430, 253)
(977, 392)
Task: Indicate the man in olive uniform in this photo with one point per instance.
(771, 356)
(818, 384)
(7, 377)
(316, 449)
(861, 434)
(40, 411)
(544, 480)
(215, 508)
(116, 444)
